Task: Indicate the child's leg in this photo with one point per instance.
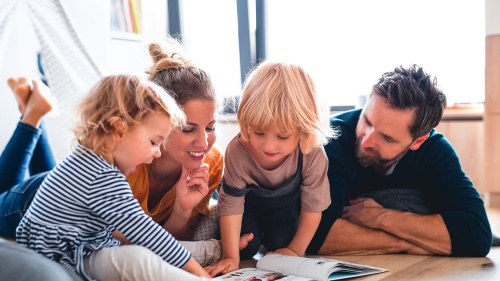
(37, 106)
(22, 90)
(133, 263)
(208, 227)
(280, 226)
(43, 158)
(14, 203)
(204, 252)
(17, 154)
(209, 252)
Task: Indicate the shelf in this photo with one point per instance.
(464, 112)
(125, 20)
(127, 36)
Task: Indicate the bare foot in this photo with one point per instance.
(245, 239)
(38, 105)
(21, 90)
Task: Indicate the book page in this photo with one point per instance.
(254, 274)
(315, 268)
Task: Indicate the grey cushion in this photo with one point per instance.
(19, 264)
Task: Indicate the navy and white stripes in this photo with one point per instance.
(79, 205)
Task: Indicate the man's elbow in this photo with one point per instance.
(479, 247)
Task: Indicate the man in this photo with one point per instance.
(397, 184)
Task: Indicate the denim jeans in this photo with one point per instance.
(28, 151)
(272, 223)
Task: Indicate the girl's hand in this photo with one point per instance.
(192, 188)
(222, 267)
(192, 266)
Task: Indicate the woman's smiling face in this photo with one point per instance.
(189, 145)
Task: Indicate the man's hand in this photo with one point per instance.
(222, 267)
(364, 212)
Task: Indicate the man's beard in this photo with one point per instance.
(376, 161)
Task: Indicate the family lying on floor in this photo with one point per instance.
(131, 202)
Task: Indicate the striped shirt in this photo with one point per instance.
(78, 206)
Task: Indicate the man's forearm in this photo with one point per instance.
(427, 231)
(347, 238)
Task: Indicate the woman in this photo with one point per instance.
(191, 148)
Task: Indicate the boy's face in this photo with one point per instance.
(142, 143)
(270, 148)
(382, 134)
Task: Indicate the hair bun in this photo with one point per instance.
(162, 60)
(156, 52)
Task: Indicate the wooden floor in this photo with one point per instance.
(412, 267)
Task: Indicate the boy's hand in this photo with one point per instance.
(284, 251)
(224, 266)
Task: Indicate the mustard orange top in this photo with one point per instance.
(139, 183)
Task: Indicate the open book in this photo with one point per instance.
(281, 267)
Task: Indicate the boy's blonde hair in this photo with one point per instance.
(283, 96)
(119, 102)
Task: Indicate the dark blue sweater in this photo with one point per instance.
(434, 169)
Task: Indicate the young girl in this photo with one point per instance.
(275, 179)
(124, 122)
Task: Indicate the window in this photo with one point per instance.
(210, 38)
(347, 45)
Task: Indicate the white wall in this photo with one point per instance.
(492, 17)
(19, 59)
(91, 21)
(227, 129)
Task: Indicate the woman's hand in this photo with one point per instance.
(192, 188)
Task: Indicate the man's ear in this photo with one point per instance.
(418, 142)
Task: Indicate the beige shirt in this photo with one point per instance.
(241, 170)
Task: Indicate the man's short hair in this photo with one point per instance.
(412, 88)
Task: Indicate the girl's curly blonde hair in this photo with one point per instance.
(118, 102)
